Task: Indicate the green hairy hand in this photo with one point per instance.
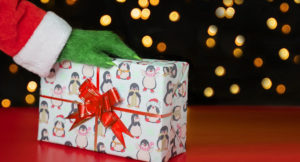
(91, 47)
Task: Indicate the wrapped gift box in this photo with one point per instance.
(151, 86)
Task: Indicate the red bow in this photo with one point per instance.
(100, 107)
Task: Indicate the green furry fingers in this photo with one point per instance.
(90, 47)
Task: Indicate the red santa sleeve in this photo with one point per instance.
(33, 37)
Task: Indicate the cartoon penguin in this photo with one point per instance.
(163, 139)
(57, 93)
(173, 148)
(87, 71)
(144, 150)
(134, 97)
(149, 80)
(74, 108)
(123, 71)
(106, 83)
(59, 127)
(168, 99)
(182, 89)
(74, 84)
(101, 147)
(170, 70)
(44, 135)
(68, 143)
(184, 107)
(51, 77)
(65, 64)
(116, 145)
(153, 106)
(181, 133)
(44, 113)
(135, 126)
(81, 139)
(101, 129)
(176, 113)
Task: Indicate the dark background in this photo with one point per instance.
(185, 41)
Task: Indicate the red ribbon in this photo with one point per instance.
(101, 107)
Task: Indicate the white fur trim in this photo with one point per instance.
(44, 46)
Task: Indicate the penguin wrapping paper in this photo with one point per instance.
(148, 86)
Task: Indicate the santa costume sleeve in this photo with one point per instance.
(33, 37)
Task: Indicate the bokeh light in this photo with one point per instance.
(135, 13)
(280, 89)
(105, 20)
(234, 89)
(45, 1)
(208, 92)
(31, 86)
(239, 40)
(271, 23)
(220, 71)
(284, 7)
(220, 12)
(296, 59)
(147, 41)
(210, 42)
(143, 3)
(286, 29)
(174, 16)
(229, 13)
(154, 2)
(161, 47)
(6, 103)
(228, 3)
(297, 1)
(145, 14)
(238, 2)
(237, 52)
(266, 83)
(71, 2)
(284, 54)
(13, 68)
(30, 99)
(121, 1)
(258, 62)
(212, 30)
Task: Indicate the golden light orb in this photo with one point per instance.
(220, 12)
(174, 16)
(105, 20)
(154, 2)
(284, 7)
(147, 41)
(6, 103)
(135, 13)
(13, 68)
(121, 1)
(210, 42)
(220, 71)
(212, 30)
(238, 2)
(30, 99)
(228, 3)
(270, 0)
(296, 59)
(161, 47)
(45, 1)
(237, 52)
(284, 54)
(208, 92)
(31, 86)
(239, 40)
(297, 1)
(258, 62)
(234, 89)
(286, 29)
(145, 14)
(229, 13)
(280, 89)
(71, 2)
(271, 23)
(143, 3)
(266, 83)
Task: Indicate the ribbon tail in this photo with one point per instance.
(118, 128)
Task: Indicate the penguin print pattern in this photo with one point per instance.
(106, 83)
(74, 108)
(101, 147)
(59, 127)
(176, 113)
(65, 64)
(68, 143)
(87, 71)
(144, 149)
(74, 84)
(51, 77)
(81, 138)
(170, 70)
(135, 126)
(134, 97)
(168, 99)
(123, 71)
(101, 129)
(149, 80)
(182, 87)
(116, 145)
(153, 107)
(44, 112)
(44, 135)
(163, 139)
(57, 93)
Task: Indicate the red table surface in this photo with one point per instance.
(215, 133)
